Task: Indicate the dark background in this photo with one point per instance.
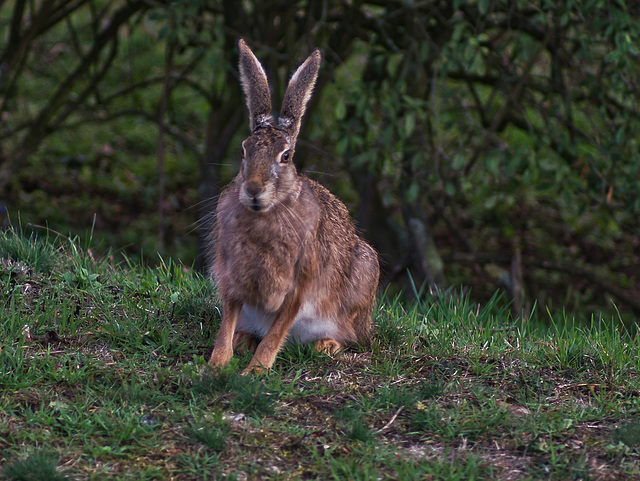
(484, 144)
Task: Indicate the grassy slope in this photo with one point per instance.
(100, 378)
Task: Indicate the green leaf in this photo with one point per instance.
(341, 145)
(409, 124)
(162, 33)
(458, 161)
(450, 189)
(412, 192)
(491, 202)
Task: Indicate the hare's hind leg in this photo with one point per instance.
(223, 347)
(245, 341)
(328, 346)
(366, 270)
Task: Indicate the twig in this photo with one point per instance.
(504, 329)
(391, 421)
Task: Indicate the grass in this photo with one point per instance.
(102, 376)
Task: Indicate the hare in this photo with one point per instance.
(287, 260)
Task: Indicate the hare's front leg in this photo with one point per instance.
(223, 347)
(273, 340)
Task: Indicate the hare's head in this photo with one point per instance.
(268, 175)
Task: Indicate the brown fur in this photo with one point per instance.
(288, 260)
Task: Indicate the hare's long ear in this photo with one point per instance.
(298, 94)
(255, 87)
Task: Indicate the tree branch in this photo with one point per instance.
(95, 80)
(631, 299)
(40, 127)
(170, 129)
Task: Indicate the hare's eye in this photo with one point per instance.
(286, 155)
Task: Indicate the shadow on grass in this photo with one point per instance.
(41, 465)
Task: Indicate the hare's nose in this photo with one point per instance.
(253, 188)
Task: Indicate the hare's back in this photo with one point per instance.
(336, 224)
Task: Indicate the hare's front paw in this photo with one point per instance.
(220, 357)
(254, 368)
(328, 346)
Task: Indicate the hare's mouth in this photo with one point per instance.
(255, 205)
(256, 201)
